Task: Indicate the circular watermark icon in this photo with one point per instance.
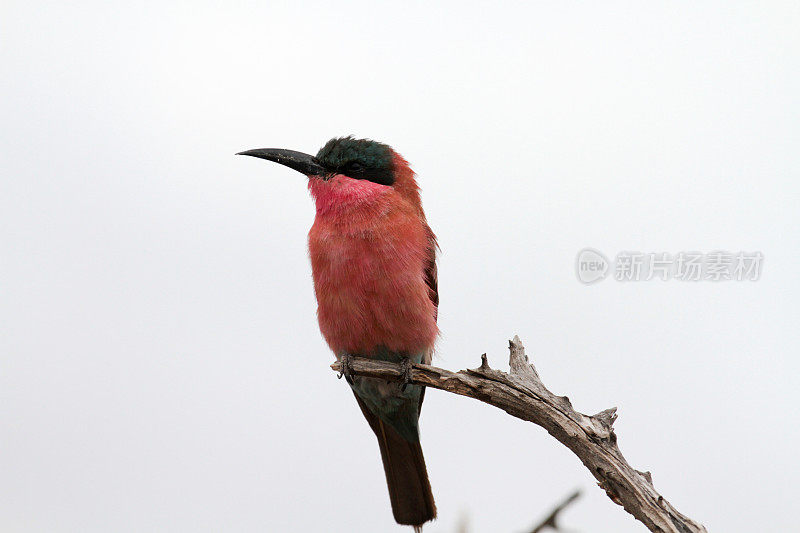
(591, 266)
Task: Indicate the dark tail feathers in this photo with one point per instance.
(406, 475)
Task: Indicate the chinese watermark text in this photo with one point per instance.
(592, 266)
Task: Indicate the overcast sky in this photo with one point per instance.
(161, 367)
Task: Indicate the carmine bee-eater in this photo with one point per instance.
(373, 260)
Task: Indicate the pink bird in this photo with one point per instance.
(373, 259)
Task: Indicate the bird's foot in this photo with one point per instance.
(347, 368)
(407, 366)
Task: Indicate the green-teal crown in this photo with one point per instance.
(358, 159)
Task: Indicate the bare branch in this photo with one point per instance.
(522, 394)
(551, 519)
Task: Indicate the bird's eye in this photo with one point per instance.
(355, 166)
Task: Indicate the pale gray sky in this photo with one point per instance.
(161, 367)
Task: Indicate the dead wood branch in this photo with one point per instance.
(551, 520)
(522, 394)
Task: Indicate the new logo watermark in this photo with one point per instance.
(592, 266)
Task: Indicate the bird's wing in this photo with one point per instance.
(432, 281)
(431, 275)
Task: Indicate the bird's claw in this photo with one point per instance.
(407, 366)
(346, 361)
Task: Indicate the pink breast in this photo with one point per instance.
(368, 270)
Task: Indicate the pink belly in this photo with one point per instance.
(371, 290)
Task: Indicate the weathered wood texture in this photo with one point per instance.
(522, 394)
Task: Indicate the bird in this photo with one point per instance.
(373, 262)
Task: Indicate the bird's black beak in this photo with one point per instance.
(304, 163)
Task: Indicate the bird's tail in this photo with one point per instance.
(406, 475)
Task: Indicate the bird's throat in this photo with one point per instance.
(341, 194)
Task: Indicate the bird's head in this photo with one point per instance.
(348, 171)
